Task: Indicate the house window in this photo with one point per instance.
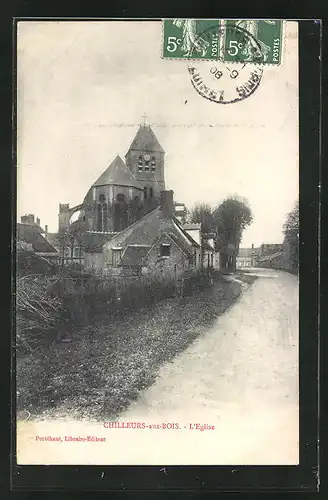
(145, 193)
(76, 252)
(150, 192)
(116, 255)
(165, 250)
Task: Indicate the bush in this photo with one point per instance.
(75, 298)
(37, 313)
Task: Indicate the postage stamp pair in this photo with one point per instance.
(239, 40)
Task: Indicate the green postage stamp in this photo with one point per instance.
(232, 40)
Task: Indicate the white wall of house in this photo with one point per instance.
(195, 234)
(210, 241)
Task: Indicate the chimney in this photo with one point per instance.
(167, 205)
(38, 221)
(46, 230)
(252, 246)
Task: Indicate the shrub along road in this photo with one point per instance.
(106, 364)
(239, 375)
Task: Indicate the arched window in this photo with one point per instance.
(120, 198)
(101, 213)
(140, 164)
(153, 164)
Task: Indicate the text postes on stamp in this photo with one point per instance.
(225, 83)
(182, 39)
(267, 33)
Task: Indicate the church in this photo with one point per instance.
(127, 217)
(124, 191)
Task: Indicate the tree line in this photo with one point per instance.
(291, 232)
(227, 221)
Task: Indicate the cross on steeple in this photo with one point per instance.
(144, 119)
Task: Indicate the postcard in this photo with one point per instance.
(157, 284)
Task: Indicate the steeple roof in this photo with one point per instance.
(119, 174)
(146, 140)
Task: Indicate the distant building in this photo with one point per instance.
(34, 253)
(247, 257)
(30, 237)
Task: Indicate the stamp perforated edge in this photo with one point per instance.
(272, 65)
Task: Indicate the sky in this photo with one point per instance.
(83, 88)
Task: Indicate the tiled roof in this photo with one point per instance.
(53, 239)
(29, 233)
(133, 255)
(189, 227)
(148, 229)
(93, 241)
(119, 174)
(146, 140)
(272, 256)
(141, 232)
(32, 263)
(185, 248)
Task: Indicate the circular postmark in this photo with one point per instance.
(236, 71)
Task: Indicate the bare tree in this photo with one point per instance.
(202, 213)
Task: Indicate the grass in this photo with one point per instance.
(101, 371)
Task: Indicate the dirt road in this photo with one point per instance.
(241, 377)
(239, 380)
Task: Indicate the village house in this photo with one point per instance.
(157, 245)
(34, 252)
(247, 257)
(269, 255)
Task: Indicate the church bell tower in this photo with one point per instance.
(145, 159)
